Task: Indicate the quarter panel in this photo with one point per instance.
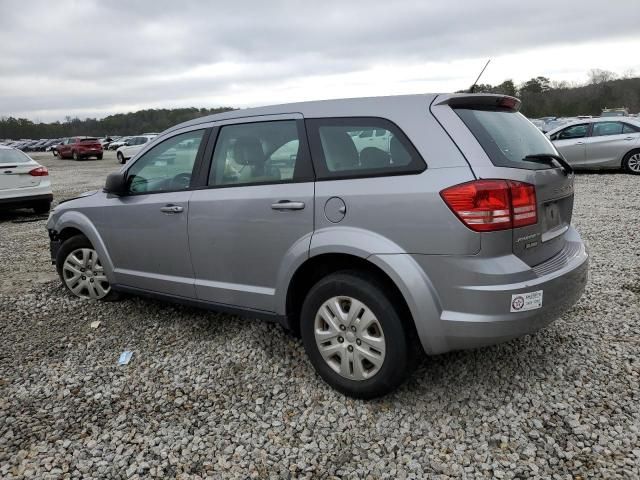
(396, 214)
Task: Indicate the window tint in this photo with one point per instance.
(506, 136)
(167, 166)
(601, 129)
(574, 131)
(339, 151)
(626, 128)
(262, 152)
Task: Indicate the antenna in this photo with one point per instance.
(476, 82)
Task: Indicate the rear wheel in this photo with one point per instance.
(99, 157)
(121, 158)
(81, 271)
(42, 207)
(631, 162)
(55, 152)
(354, 335)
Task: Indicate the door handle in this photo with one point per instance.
(287, 205)
(579, 143)
(172, 209)
(629, 138)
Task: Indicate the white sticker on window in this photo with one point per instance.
(522, 302)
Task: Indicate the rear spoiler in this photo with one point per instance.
(485, 100)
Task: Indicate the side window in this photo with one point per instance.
(337, 152)
(574, 131)
(626, 128)
(167, 166)
(601, 129)
(261, 152)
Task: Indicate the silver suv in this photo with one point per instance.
(454, 233)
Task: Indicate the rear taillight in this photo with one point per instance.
(490, 205)
(39, 172)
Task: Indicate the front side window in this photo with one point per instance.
(167, 166)
(261, 152)
(601, 129)
(340, 151)
(574, 131)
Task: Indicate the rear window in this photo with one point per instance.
(89, 140)
(506, 136)
(12, 157)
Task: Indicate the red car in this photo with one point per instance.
(79, 148)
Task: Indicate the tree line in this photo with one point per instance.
(540, 97)
(142, 121)
(543, 97)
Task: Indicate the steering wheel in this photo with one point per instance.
(181, 181)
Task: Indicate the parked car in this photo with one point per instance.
(118, 143)
(600, 143)
(132, 146)
(24, 183)
(615, 112)
(80, 148)
(458, 236)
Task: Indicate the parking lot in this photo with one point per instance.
(208, 394)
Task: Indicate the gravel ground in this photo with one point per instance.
(211, 395)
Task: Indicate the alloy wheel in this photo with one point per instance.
(634, 163)
(84, 276)
(349, 338)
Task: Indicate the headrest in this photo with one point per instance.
(248, 151)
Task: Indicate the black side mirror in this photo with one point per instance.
(116, 184)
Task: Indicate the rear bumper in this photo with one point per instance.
(25, 200)
(476, 294)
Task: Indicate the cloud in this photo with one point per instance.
(95, 57)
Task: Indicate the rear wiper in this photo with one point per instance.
(550, 159)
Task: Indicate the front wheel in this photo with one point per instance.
(121, 158)
(355, 336)
(81, 271)
(631, 162)
(75, 155)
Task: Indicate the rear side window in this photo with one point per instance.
(348, 148)
(260, 153)
(630, 128)
(506, 136)
(601, 129)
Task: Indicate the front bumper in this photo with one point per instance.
(476, 294)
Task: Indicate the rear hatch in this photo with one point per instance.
(500, 143)
(14, 170)
(91, 143)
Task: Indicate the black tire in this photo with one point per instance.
(99, 157)
(55, 153)
(68, 246)
(42, 207)
(121, 158)
(626, 162)
(75, 155)
(400, 354)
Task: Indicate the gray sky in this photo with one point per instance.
(93, 58)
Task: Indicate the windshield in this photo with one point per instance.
(11, 156)
(506, 136)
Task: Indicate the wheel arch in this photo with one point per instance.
(73, 223)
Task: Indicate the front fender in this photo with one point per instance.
(79, 221)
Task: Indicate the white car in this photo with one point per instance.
(24, 183)
(132, 147)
